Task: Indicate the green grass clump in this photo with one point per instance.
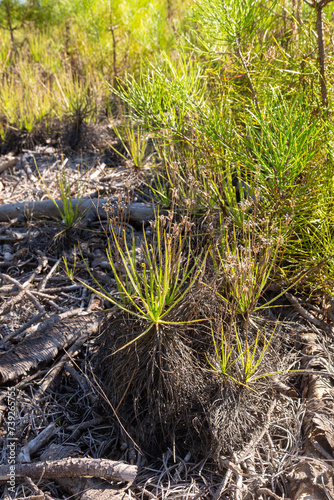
(134, 141)
(151, 289)
(70, 212)
(248, 355)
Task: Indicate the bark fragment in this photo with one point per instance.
(44, 344)
(312, 476)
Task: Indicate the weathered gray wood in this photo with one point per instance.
(38, 442)
(312, 477)
(137, 212)
(82, 488)
(73, 467)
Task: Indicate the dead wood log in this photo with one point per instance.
(72, 468)
(43, 345)
(137, 212)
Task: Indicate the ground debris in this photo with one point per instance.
(52, 336)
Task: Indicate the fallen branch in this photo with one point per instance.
(24, 290)
(307, 315)
(137, 212)
(73, 467)
(33, 497)
(81, 488)
(38, 442)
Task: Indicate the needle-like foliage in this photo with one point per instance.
(149, 290)
(71, 213)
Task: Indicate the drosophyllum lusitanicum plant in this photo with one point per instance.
(151, 289)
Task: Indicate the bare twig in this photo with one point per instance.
(40, 496)
(16, 333)
(64, 288)
(36, 490)
(267, 491)
(319, 6)
(23, 291)
(321, 450)
(15, 255)
(233, 465)
(35, 444)
(84, 425)
(249, 450)
(43, 283)
(8, 164)
(223, 484)
(82, 381)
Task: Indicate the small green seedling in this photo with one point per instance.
(224, 359)
(70, 271)
(134, 142)
(70, 212)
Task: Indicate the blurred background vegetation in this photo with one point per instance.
(61, 56)
(58, 56)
